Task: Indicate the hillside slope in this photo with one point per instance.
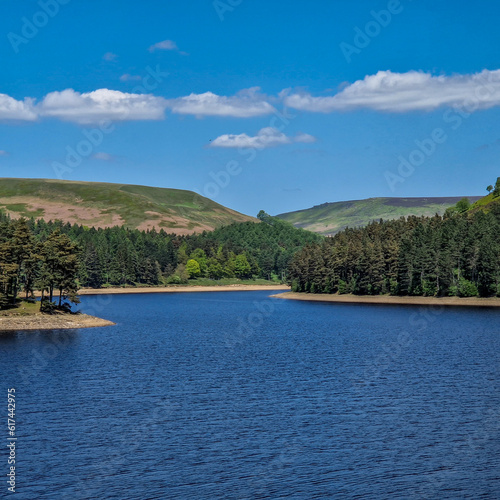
(486, 203)
(103, 205)
(330, 218)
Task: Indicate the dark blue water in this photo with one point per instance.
(238, 396)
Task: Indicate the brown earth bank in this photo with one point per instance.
(180, 288)
(391, 300)
(51, 322)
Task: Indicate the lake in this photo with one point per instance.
(235, 395)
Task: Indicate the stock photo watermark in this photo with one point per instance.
(11, 439)
(427, 147)
(94, 137)
(133, 442)
(83, 149)
(468, 447)
(224, 6)
(392, 353)
(363, 37)
(222, 178)
(248, 326)
(41, 357)
(31, 27)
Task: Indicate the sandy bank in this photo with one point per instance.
(177, 289)
(51, 322)
(390, 300)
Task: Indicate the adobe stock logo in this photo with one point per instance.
(373, 28)
(223, 6)
(31, 27)
(83, 149)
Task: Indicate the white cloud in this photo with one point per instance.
(109, 56)
(267, 137)
(103, 156)
(130, 78)
(246, 104)
(307, 138)
(3, 152)
(101, 104)
(411, 91)
(11, 109)
(165, 45)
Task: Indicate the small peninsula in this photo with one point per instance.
(27, 316)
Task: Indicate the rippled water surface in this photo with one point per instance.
(235, 395)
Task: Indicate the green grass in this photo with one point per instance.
(23, 210)
(485, 203)
(331, 218)
(23, 308)
(130, 202)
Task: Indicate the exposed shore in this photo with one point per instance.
(183, 289)
(50, 322)
(391, 300)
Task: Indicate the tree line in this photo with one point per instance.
(49, 264)
(58, 258)
(456, 254)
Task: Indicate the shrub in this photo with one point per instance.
(466, 288)
(342, 287)
(48, 307)
(429, 288)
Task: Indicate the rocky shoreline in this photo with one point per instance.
(392, 300)
(183, 289)
(51, 322)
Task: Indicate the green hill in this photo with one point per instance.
(486, 203)
(330, 218)
(103, 205)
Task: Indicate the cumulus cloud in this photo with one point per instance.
(267, 137)
(165, 45)
(411, 91)
(101, 104)
(103, 156)
(245, 104)
(13, 110)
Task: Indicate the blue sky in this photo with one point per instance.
(259, 105)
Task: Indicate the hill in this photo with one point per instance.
(104, 205)
(486, 203)
(330, 218)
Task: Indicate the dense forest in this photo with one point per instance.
(27, 263)
(456, 254)
(48, 256)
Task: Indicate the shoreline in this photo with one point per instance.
(51, 322)
(392, 300)
(182, 289)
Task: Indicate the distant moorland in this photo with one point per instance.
(330, 218)
(101, 205)
(456, 254)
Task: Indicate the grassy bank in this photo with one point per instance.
(23, 308)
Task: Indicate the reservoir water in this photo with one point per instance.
(234, 395)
